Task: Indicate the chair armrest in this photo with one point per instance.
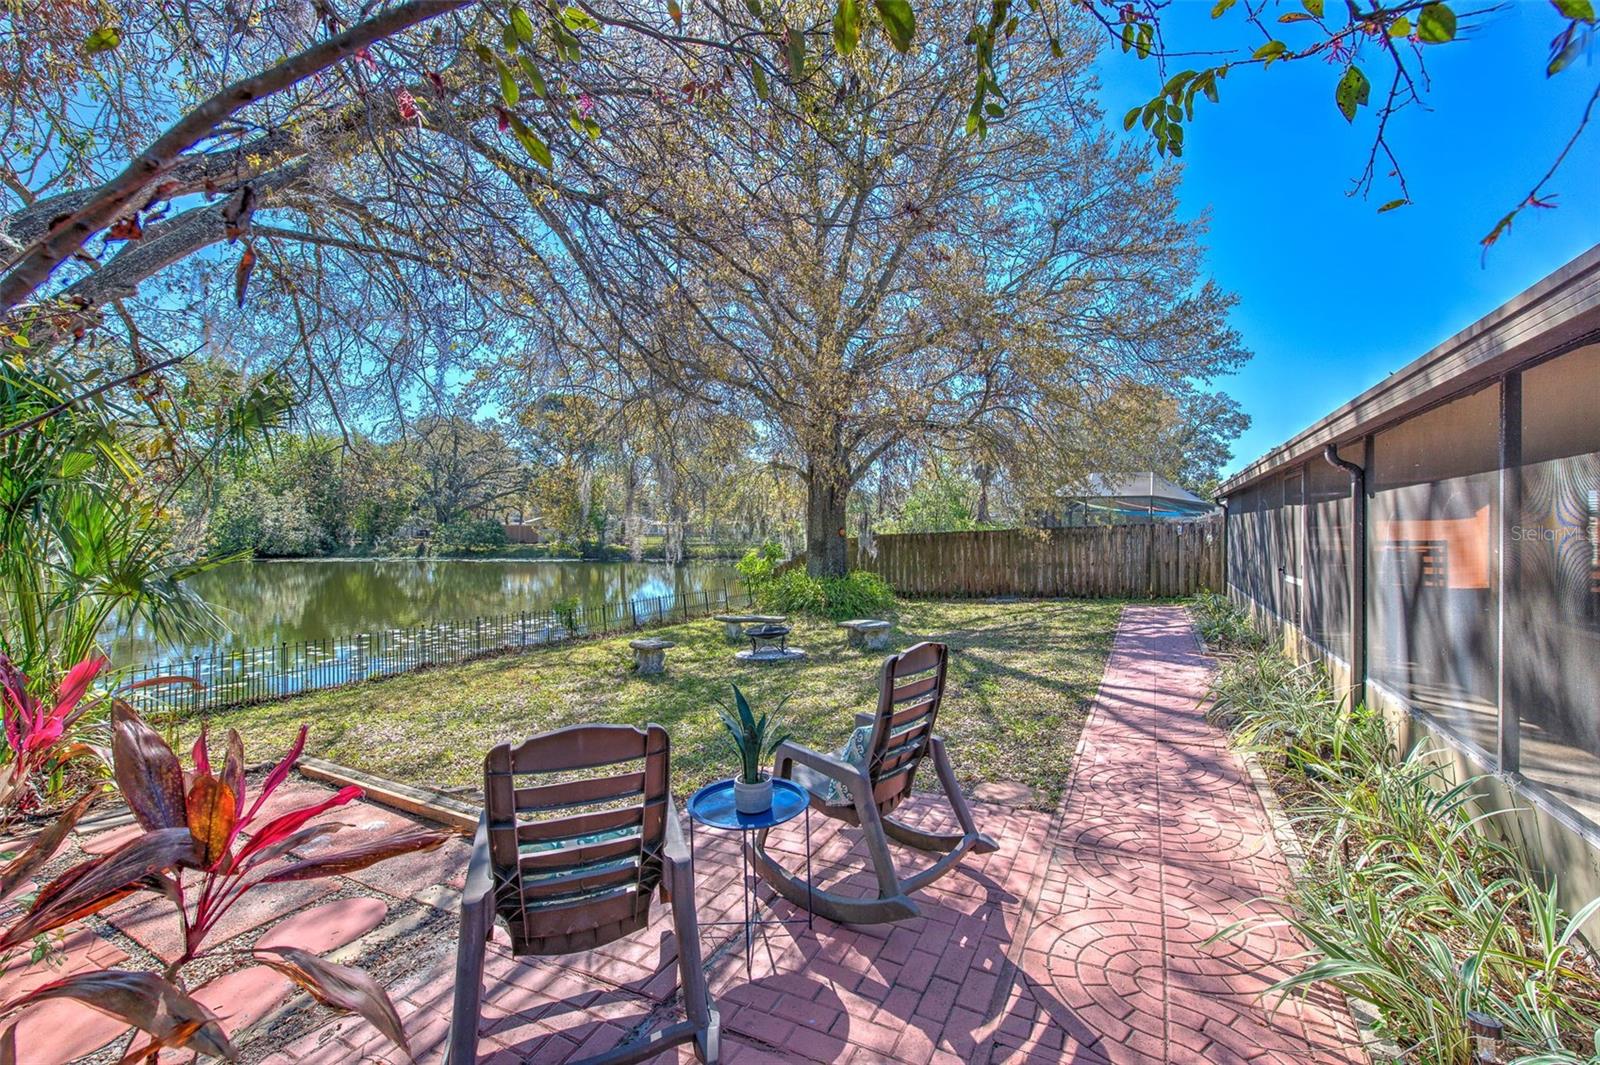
(673, 847)
(826, 764)
(865, 719)
(480, 883)
(679, 872)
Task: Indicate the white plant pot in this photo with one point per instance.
(752, 798)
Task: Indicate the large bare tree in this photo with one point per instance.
(811, 241)
(850, 271)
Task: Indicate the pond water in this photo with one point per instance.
(273, 603)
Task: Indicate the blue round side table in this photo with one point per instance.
(713, 807)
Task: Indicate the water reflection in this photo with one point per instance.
(264, 603)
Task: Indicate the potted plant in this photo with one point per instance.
(752, 788)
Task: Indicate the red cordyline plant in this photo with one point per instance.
(37, 731)
(204, 849)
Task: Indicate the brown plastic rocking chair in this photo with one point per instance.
(571, 865)
(910, 689)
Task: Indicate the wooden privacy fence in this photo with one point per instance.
(1164, 559)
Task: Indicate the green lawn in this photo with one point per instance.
(1021, 677)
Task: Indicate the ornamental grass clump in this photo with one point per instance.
(1223, 626)
(1409, 902)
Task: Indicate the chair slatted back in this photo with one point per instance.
(576, 823)
(910, 690)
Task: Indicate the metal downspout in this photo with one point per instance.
(1358, 571)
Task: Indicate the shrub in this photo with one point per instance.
(1224, 626)
(565, 610)
(759, 564)
(466, 533)
(39, 733)
(249, 517)
(793, 592)
(857, 594)
(1413, 908)
(207, 844)
(1289, 716)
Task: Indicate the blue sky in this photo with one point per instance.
(1333, 295)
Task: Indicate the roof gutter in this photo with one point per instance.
(1561, 309)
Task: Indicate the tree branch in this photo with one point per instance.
(40, 419)
(112, 198)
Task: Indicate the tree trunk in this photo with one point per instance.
(630, 516)
(825, 526)
(677, 525)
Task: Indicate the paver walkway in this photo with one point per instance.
(1080, 940)
(1163, 842)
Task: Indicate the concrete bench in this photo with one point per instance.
(736, 622)
(650, 654)
(866, 634)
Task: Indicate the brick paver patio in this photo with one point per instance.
(1082, 939)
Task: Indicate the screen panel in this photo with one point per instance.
(1238, 559)
(1252, 543)
(1552, 647)
(1328, 544)
(1432, 599)
(1291, 573)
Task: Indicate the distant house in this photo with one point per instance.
(1128, 498)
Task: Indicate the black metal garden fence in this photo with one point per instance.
(235, 677)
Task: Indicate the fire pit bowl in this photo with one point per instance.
(769, 643)
(769, 635)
